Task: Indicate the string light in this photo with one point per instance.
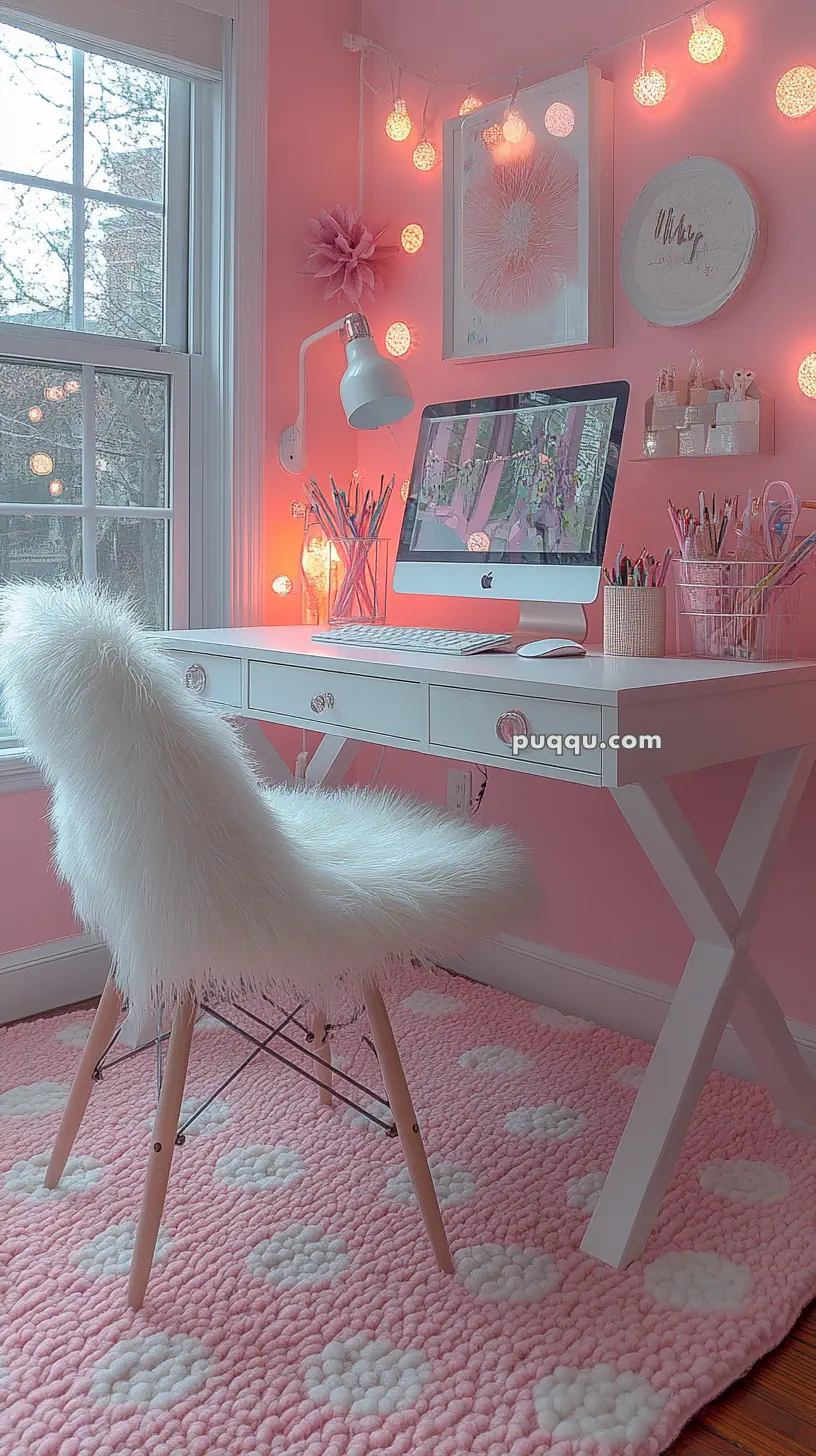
(405, 489)
(72, 386)
(398, 339)
(55, 487)
(559, 119)
(479, 541)
(470, 103)
(649, 86)
(398, 123)
(425, 156)
(807, 376)
(706, 42)
(412, 237)
(282, 586)
(35, 414)
(796, 91)
(493, 136)
(514, 127)
(40, 464)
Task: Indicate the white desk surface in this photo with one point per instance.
(594, 678)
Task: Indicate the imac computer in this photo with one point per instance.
(510, 498)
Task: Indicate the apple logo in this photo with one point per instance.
(487, 580)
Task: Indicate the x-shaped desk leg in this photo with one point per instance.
(719, 984)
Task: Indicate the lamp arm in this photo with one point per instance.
(291, 450)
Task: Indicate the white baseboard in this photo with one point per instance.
(42, 977)
(615, 998)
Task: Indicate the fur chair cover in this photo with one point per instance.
(197, 877)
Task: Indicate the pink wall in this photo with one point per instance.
(600, 897)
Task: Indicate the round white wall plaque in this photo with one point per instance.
(692, 239)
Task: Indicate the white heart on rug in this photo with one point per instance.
(257, 1168)
(601, 1405)
(432, 1003)
(494, 1059)
(109, 1254)
(33, 1099)
(302, 1257)
(152, 1369)
(631, 1076)
(366, 1377)
(584, 1191)
(561, 1020)
(698, 1280)
(496, 1272)
(353, 1118)
(741, 1180)
(452, 1184)
(75, 1034)
(548, 1123)
(25, 1178)
(213, 1117)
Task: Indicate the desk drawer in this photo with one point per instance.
(468, 720)
(214, 678)
(376, 705)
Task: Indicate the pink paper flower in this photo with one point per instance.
(344, 251)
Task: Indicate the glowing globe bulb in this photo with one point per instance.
(72, 386)
(649, 88)
(706, 42)
(40, 464)
(559, 119)
(479, 541)
(55, 487)
(398, 123)
(54, 392)
(412, 237)
(807, 376)
(470, 103)
(796, 91)
(424, 156)
(493, 136)
(398, 339)
(35, 414)
(282, 585)
(514, 128)
(405, 489)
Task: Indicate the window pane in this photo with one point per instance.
(131, 440)
(40, 433)
(124, 129)
(123, 271)
(131, 556)
(35, 256)
(35, 106)
(42, 548)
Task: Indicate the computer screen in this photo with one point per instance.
(525, 478)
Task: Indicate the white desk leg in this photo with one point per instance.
(274, 769)
(331, 760)
(721, 907)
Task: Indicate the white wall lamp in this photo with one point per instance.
(373, 389)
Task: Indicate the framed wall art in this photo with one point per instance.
(527, 221)
(693, 238)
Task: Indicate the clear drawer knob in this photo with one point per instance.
(195, 678)
(322, 701)
(510, 725)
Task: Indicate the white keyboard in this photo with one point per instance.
(414, 639)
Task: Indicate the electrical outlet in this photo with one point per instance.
(460, 790)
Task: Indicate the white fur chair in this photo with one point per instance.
(207, 886)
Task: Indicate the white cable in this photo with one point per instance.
(361, 136)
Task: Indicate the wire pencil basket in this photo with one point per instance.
(729, 609)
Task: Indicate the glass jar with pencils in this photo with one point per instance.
(344, 560)
(358, 585)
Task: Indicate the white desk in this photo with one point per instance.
(704, 712)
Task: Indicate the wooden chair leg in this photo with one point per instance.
(322, 1049)
(104, 1025)
(407, 1126)
(163, 1143)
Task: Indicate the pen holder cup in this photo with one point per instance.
(635, 621)
(730, 609)
(358, 581)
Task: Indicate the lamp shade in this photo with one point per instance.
(374, 390)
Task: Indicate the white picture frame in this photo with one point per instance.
(578, 312)
(693, 240)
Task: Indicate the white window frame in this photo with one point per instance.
(221, 379)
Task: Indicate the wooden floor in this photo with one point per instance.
(770, 1413)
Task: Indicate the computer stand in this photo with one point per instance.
(549, 619)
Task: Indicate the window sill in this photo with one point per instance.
(17, 773)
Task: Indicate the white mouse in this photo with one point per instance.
(551, 647)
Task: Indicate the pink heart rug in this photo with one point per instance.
(295, 1307)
